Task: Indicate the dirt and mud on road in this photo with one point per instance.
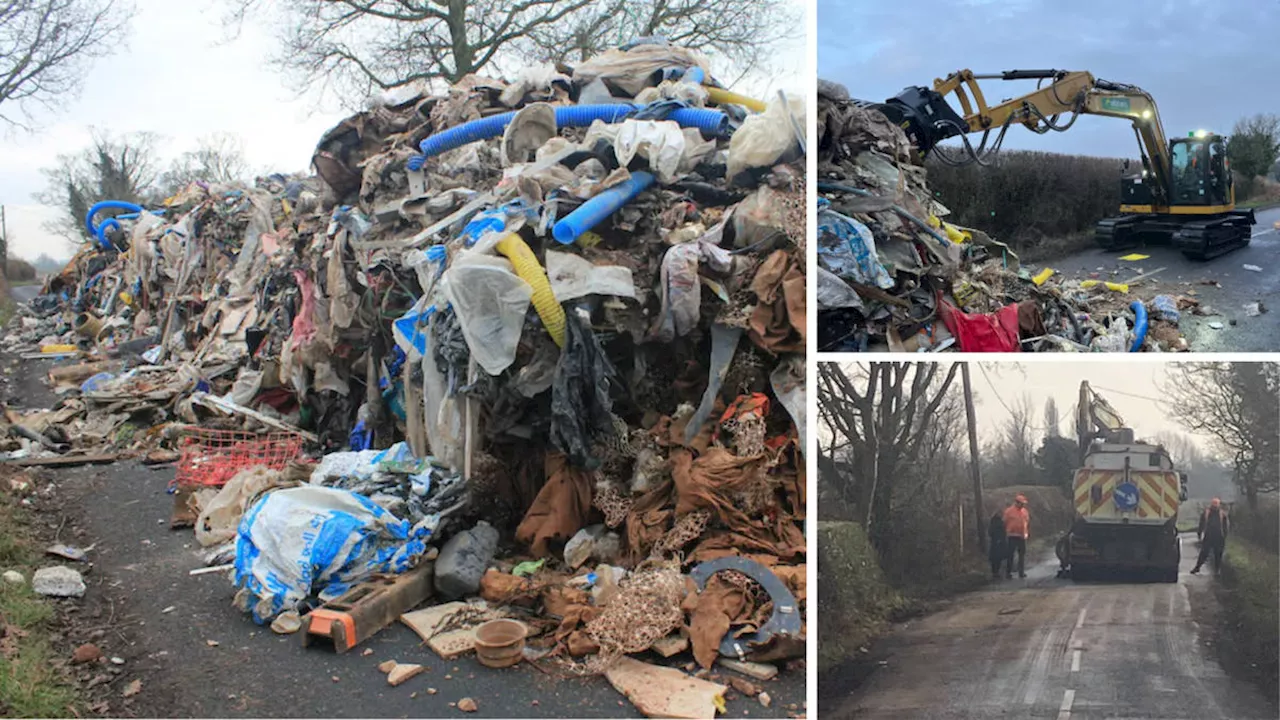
(1045, 647)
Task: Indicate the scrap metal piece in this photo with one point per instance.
(786, 612)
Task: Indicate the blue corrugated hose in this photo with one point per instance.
(710, 122)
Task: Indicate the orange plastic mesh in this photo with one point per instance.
(210, 458)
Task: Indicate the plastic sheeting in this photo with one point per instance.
(847, 249)
(313, 540)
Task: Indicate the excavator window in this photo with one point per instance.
(1189, 172)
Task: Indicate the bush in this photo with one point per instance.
(855, 599)
(19, 270)
(1026, 198)
(1260, 527)
(1264, 191)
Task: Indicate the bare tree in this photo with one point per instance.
(1238, 405)
(358, 47)
(743, 32)
(885, 413)
(218, 158)
(110, 168)
(46, 47)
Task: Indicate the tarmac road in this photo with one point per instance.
(1240, 287)
(163, 619)
(1049, 648)
(23, 293)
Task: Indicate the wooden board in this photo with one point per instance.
(64, 461)
(663, 691)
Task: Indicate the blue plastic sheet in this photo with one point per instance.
(847, 248)
(310, 540)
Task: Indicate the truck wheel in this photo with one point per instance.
(1079, 574)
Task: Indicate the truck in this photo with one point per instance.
(1126, 494)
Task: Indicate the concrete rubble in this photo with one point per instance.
(572, 301)
(893, 275)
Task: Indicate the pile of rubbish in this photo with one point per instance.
(545, 336)
(893, 275)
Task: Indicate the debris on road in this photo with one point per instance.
(67, 552)
(468, 705)
(86, 653)
(894, 275)
(543, 342)
(665, 692)
(13, 577)
(58, 581)
(1253, 268)
(401, 672)
(133, 688)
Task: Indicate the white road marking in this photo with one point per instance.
(1080, 620)
(1075, 661)
(1068, 697)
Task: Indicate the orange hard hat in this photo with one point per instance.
(1216, 502)
(1020, 498)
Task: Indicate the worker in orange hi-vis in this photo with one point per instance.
(1017, 528)
(1214, 525)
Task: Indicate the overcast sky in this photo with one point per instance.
(1206, 62)
(178, 78)
(1131, 386)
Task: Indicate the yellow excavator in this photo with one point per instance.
(1183, 195)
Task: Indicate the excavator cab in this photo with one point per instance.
(1200, 172)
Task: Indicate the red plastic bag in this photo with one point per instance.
(997, 332)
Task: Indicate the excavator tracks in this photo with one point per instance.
(1206, 239)
(1200, 238)
(1117, 233)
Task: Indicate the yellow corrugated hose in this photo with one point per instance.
(531, 271)
(720, 96)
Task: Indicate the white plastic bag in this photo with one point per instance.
(220, 516)
(491, 303)
(307, 539)
(573, 277)
(766, 137)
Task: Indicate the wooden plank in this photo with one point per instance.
(226, 406)
(759, 671)
(64, 461)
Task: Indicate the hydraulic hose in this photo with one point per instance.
(100, 232)
(531, 271)
(710, 122)
(720, 96)
(592, 212)
(1139, 325)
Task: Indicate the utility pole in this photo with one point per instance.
(973, 457)
(4, 240)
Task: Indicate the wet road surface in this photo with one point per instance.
(1239, 287)
(1049, 648)
(23, 293)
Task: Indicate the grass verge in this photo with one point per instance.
(30, 684)
(1250, 597)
